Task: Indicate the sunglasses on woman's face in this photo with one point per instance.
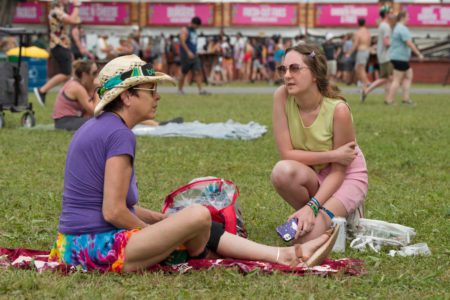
(152, 91)
(293, 69)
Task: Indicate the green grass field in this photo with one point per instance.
(406, 148)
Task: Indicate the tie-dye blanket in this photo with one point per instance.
(37, 260)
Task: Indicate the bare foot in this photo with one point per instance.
(296, 255)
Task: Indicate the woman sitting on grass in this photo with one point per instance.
(102, 227)
(77, 98)
(322, 172)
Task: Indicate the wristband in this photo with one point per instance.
(328, 212)
(315, 201)
(314, 208)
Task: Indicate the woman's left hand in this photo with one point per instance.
(157, 216)
(306, 220)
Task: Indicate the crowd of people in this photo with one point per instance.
(352, 58)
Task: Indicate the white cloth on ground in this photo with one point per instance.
(229, 130)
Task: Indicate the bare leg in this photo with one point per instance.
(406, 84)
(294, 182)
(234, 246)
(323, 221)
(198, 80)
(397, 78)
(387, 87)
(374, 85)
(54, 81)
(181, 82)
(361, 74)
(190, 227)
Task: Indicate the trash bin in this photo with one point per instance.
(36, 59)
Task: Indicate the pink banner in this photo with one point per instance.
(343, 15)
(264, 14)
(104, 13)
(30, 13)
(428, 15)
(179, 14)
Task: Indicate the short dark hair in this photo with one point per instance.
(117, 103)
(361, 21)
(196, 21)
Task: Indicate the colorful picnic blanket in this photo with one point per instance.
(36, 259)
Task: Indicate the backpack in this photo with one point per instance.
(220, 196)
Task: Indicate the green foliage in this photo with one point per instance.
(406, 149)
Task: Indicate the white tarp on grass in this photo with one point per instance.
(229, 130)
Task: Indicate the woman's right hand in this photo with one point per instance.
(306, 220)
(345, 154)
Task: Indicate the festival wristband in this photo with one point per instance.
(314, 208)
(316, 202)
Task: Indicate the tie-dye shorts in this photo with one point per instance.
(104, 251)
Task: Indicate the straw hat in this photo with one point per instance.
(122, 73)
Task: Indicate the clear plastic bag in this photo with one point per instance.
(219, 195)
(374, 234)
(216, 193)
(416, 249)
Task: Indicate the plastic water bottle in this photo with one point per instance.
(342, 235)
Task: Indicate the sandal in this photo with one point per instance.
(323, 252)
(388, 103)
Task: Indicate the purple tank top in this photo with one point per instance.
(97, 140)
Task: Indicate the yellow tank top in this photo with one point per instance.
(317, 137)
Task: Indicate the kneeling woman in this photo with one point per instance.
(322, 172)
(76, 100)
(102, 227)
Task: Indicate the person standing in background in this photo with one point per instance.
(104, 50)
(239, 50)
(361, 45)
(78, 43)
(59, 44)
(331, 52)
(189, 57)
(400, 53)
(383, 43)
(348, 61)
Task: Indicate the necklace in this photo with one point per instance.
(120, 117)
(310, 110)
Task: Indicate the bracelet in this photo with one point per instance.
(316, 202)
(314, 207)
(77, 5)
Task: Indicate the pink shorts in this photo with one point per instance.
(356, 182)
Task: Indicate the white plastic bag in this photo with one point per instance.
(416, 249)
(375, 233)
